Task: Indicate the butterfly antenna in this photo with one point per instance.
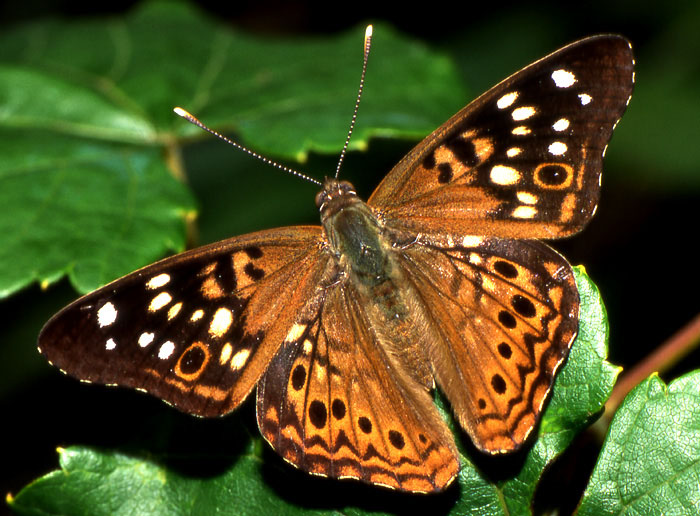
(191, 118)
(368, 45)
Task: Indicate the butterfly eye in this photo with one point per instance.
(333, 190)
(321, 199)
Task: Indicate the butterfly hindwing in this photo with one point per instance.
(524, 159)
(197, 329)
(506, 314)
(334, 403)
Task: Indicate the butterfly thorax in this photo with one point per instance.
(366, 259)
(354, 234)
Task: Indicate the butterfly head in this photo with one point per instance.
(334, 197)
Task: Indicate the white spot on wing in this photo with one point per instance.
(166, 350)
(521, 130)
(221, 322)
(585, 98)
(524, 212)
(196, 315)
(527, 198)
(174, 310)
(158, 281)
(513, 151)
(472, 241)
(561, 125)
(106, 315)
(145, 339)
(110, 344)
(563, 78)
(159, 302)
(239, 359)
(507, 100)
(502, 175)
(557, 148)
(225, 353)
(523, 113)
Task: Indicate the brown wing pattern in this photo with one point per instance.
(524, 159)
(506, 313)
(334, 404)
(197, 329)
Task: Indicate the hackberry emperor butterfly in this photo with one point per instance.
(436, 280)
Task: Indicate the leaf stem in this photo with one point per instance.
(664, 358)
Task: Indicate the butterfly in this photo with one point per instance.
(438, 280)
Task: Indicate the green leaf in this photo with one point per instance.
(95, 482)
(91, 209)
(91, 177)
(258, 482)
(650, 462)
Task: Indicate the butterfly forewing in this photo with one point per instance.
(524, 159)
(197, 329)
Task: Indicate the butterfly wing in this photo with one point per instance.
(334, 404)
(524, 159)
(197, 329)
(505, 314)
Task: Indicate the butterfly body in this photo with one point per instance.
(437, 280)
(366, 257)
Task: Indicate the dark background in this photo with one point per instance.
(640, 248)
